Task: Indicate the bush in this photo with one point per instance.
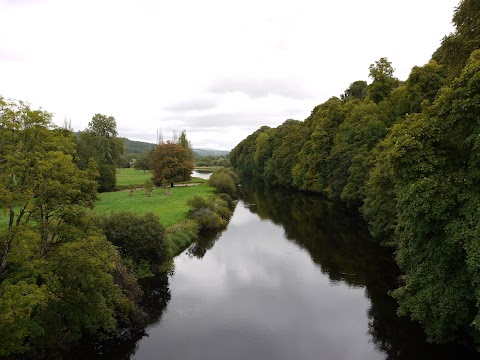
(224, 181)
(180, 235)
(211, 213)
(140, 238)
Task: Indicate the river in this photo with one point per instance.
(292, 277)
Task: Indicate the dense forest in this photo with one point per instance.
(407, 154)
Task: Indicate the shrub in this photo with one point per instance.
(211, 213)
(180, 235)
(224, 181)
(140, 238)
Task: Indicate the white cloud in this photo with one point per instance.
(188, 64)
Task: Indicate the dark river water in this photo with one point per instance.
(292, 277)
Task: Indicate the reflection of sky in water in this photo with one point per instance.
(257, 295)
(201, 174)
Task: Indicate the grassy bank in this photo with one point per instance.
(170, 208)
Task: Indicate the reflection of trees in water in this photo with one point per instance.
(338, 241)
(204, 243)
(156, 295)
(336, 238)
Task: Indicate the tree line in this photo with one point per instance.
(406, 153)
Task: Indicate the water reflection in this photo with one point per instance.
(292, 277)
(202, 174)
(156, 295)
(340, 245)
(255, 294)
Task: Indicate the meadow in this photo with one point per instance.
(130, 176)
(170, 204)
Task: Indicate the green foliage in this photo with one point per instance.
(140, 238)
(212, 161)
(241, 157)
(457, 47)
(59, 277)
(432, 162)
(408, 155)
(289, 139)
(184, 143)
(148, 186)
(209, 214)
(423, 84)
(143, 162)
(356, 90)
(383, 81)
(100, 143)
(224, 181)
(181, 235)
(310, 172)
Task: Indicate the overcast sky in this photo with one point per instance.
(219, 69)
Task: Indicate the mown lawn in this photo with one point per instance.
(127, 177)
(132, 177)
(170, 208)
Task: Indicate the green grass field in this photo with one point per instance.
(132, 177)
(170, 209)
(128, 177)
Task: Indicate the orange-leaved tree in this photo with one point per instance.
(172, 163)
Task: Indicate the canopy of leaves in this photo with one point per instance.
(172, 163)
(407, 154)
(99, 142)
(59, 277)
(138, 237)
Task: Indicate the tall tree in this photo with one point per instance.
(457, 47)
(185, 143)
(383, 81)
(172, 163)
(99, 142)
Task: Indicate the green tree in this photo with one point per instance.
(310, 172)
(58, 273)
(432, 161)
(242, 156)
(224, 181)
(183, 142)
(356, 90)
(171, 162)
(143, 162)
(140, 238)
(383, 81)
(291, 136)
(457, 47)
(99, 141)
(423, 84)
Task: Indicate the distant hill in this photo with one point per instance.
(210, 152)
(132, 147)
(136, 147)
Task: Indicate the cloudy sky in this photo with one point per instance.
(219, 69)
